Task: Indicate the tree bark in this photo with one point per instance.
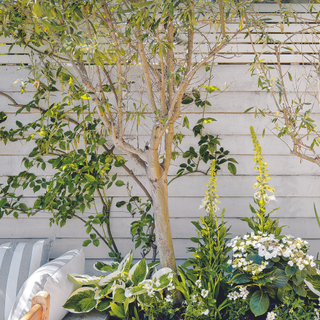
(159, 191)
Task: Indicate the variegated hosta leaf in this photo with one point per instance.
(109, 278)
(138, 272)
(81, 300)
(126, 262)
(103, 304)
(118, 293)
(83, 279)
(313, 284)
(105, 291)
(106, 266)
(139, 289)
(162, 278)
(164, 271)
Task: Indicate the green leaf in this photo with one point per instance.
(89, 177)
(119, 183)
(105, 267)
(110, 278)
(118, 295)
(232, 168)
(126, 262)
(300, 290)
(117, 310)
(290, 271)
(3, 201)
(279, 278)
(81, 300)
(241, 278)
(138, 272)
(83, 280)
(103, 304)
(119, 204)
(259, 303)
(86, 243)
(187, 100)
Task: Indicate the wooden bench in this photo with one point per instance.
(39, 307)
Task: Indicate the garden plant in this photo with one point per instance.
(268, 274)
(102, 70)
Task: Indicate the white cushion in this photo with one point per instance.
(18, 260)
(51, 277)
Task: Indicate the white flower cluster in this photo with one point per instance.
(242, 294)
(268, 247)
(271, 315)
(149, 287)
(317, 316)
(206, 312)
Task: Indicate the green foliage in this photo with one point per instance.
(270, 267)
(261, 221)
(202, 277)
(266, 265)
(121, 290)
(294, 307)
(84, 111)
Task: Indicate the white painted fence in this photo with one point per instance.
(296, 182)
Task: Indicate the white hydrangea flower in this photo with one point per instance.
(271, 315)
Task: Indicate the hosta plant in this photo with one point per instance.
(120, 291)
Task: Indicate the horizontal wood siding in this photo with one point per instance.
(297, 183)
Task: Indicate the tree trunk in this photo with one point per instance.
(163, 231)
(159, 189)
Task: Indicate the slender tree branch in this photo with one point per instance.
(145, 69)
(97, 232)
(170, 62)
(222, 20)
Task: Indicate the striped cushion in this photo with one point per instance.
(18, 260)
(51, 277)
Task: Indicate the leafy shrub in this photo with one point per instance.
(270, 267)
(121, 290)
(265, 263)
(202, 278)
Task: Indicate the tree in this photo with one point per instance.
(100, 53)
(294, 88)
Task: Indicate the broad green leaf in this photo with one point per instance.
(241, 278)
(105, 266)
(300, 290)
(83, 279)
(138, 272)
(117, 310)
(110, 278)
(313, 284)
(290, 271)
(118, 294)
(103, 304)
(119, 183)
(279, 278)
(232, 168)
(81, 300)
(126, 262)
(259, 303)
